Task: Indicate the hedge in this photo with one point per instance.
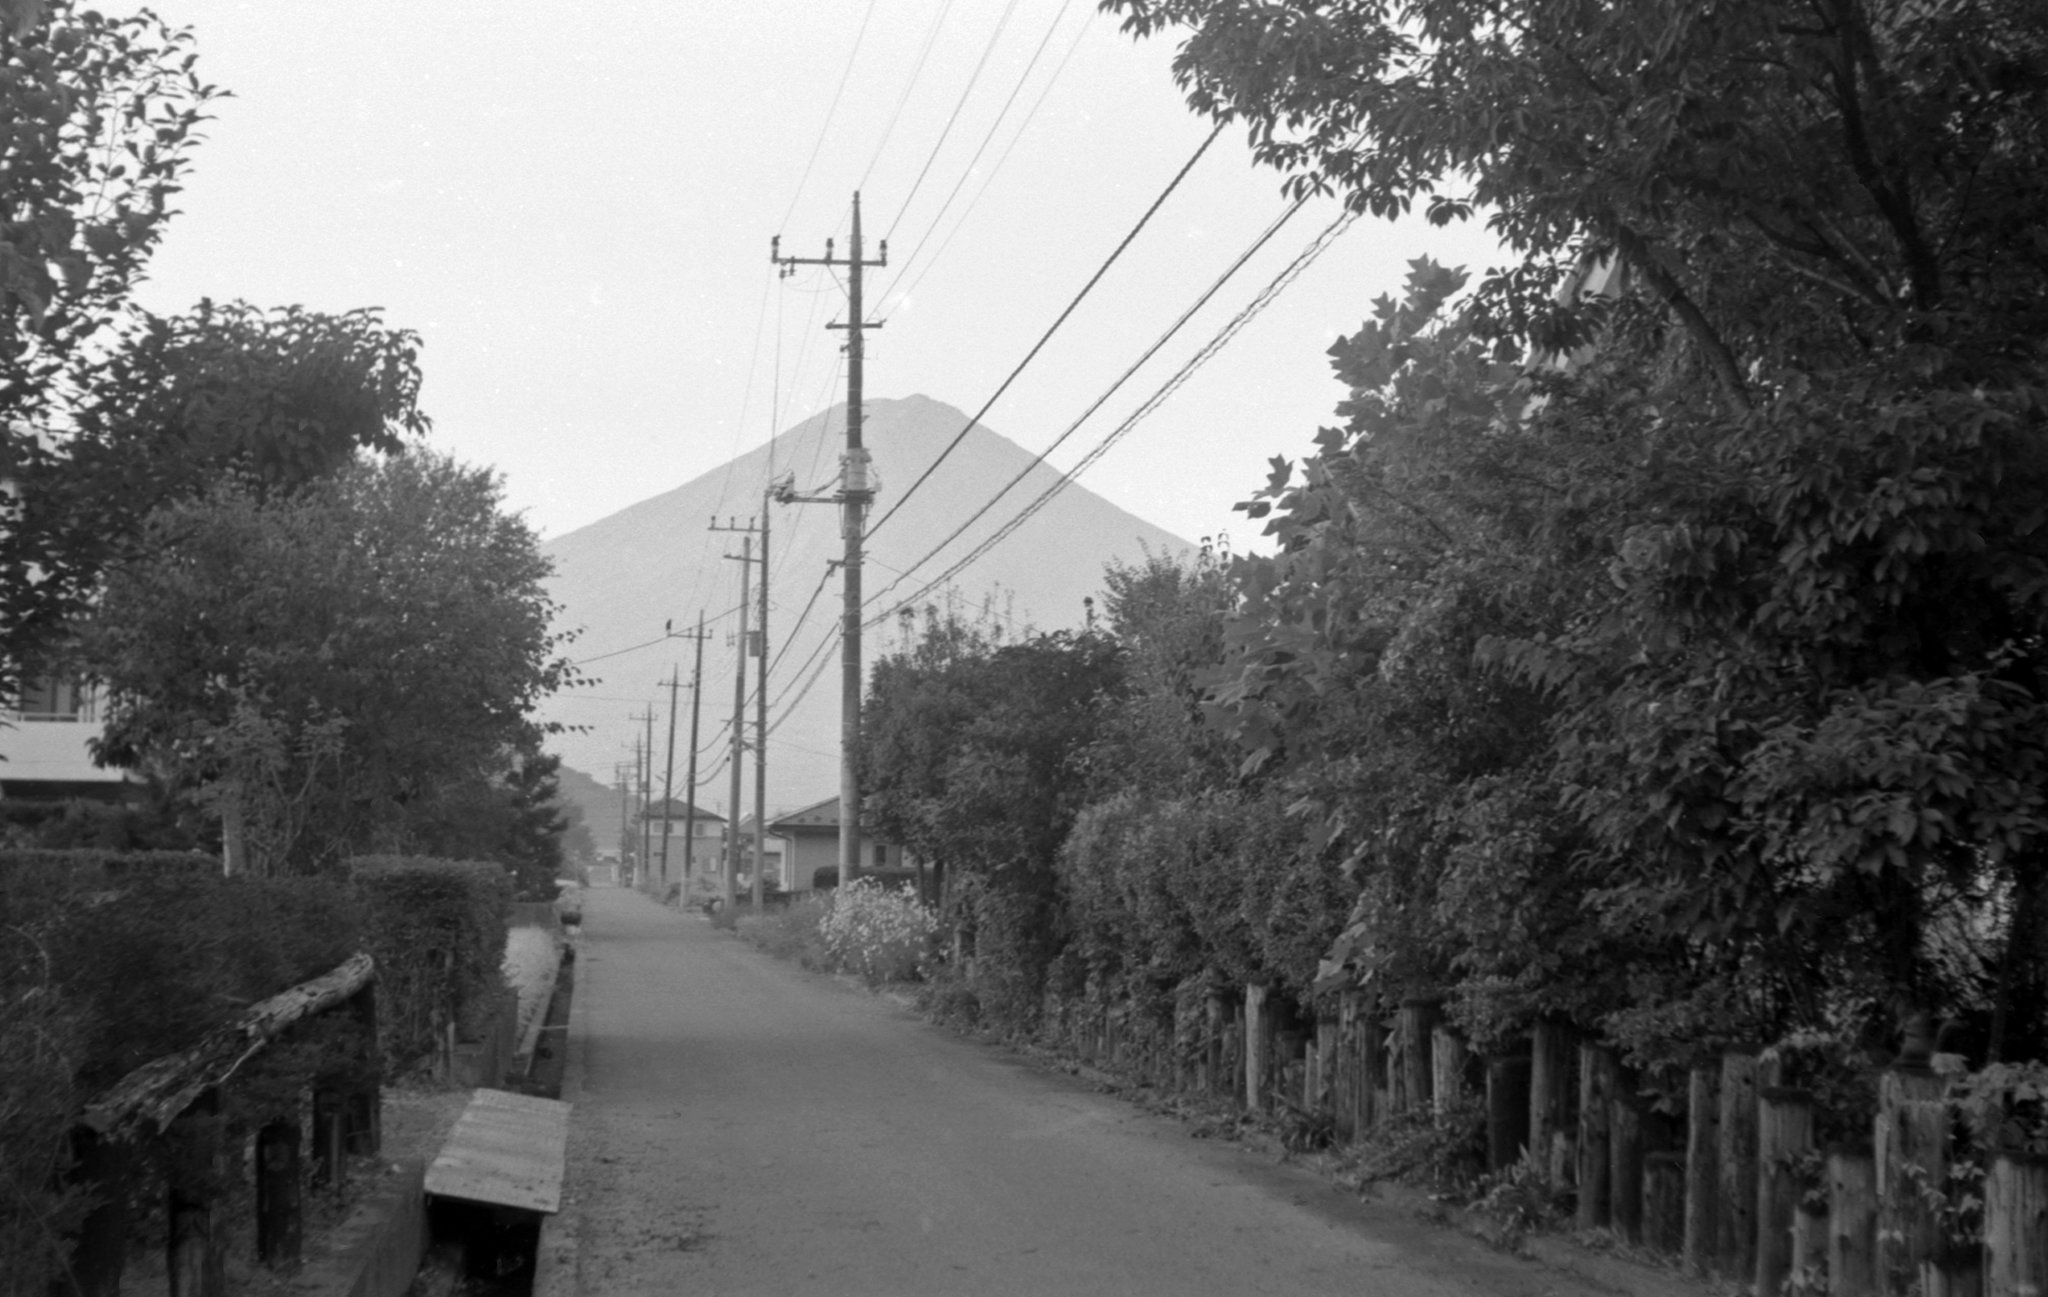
(437, 931)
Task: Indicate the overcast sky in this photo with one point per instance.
(573, 205)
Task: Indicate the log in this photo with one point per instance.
(1550, 1092)
(1911, 1129)
(1784, 1132)
(1416, 1023)
(1258, 1046)
(280, 1220)
(1599, 1074)
(1702, 1168)
(1625, 1166)
(1448, 1058)
(149, 1098)
(1852, 1222)
(2016, 1225)
(1507, 1110)
(1735, 1157)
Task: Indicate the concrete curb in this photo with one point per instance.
(554, 1260)
(378, 1248)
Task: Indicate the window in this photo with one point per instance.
(55, 698)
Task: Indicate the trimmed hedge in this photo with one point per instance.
(437, 931)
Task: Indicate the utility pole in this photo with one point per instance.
(690, 780)
(745, 558)
(625, 815)
(668, 778)
(761, 720)
(853, 498)
(646, 755)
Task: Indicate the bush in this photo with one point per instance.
(793, 932)
(881, 933)
(437, 931)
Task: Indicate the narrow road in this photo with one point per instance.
(742, 1126)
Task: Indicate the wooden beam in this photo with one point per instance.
(149, 1098)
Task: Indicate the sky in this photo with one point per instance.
(573, 207)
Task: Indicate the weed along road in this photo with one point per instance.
(742, 1126)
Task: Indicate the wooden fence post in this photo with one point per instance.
(1664, 1201)
(1215, 1017)
(1735, 1221)
(1258, 1046)
(1448, 1059)
(1376, 1067)
(195, 1259)
(1329, 1057)
(280, 1222)
(1702, 1168)
(1784, 1133)
(101, 1166)
(1345, 1083)
(1550, 1095)
(1852, 1222)
(1912, 1125)
(1507, 1110)
(1417, 1023)
(1625, 1164)
(1597, 1077)
(2016, 1226)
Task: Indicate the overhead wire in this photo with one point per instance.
(1222, 338)
(953, 117)
(988, 137)
(1052, 329)
(931, 36)
(1216, 286)
(831, 111)
(981, 191)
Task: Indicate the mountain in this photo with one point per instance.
(622, 578)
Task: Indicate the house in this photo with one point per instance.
(773, 854)
(699, 855)
(813, 837)
(43, 744)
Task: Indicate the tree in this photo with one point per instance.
(272, 399)
(101, 116)
(317, 662)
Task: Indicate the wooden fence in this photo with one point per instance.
(175, 1100)
(1734, 1186)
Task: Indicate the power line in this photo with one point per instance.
(1172, 385)
(953, 117)
(830, 112)
(1046, 337)
(1209, 294)
(1023, 127)
(931, 35)
(987, 138)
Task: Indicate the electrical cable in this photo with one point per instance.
(1044, 93)
(1203, 300)
(1046, 337)
(830, 112)
(1159, 397)
(953, 117)
(988, 137)
(931, 35)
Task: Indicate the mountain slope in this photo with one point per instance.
(621, 578)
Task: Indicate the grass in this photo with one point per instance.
(791, 932)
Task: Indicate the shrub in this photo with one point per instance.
(793, 932)
(437, 931)
(878, 932)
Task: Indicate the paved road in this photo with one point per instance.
(744, 1127)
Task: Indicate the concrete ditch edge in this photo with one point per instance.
(378, 1248)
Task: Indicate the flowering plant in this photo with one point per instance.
(879, 932)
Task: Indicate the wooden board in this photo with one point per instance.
(506, 1151)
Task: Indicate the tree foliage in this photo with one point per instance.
(319, 662)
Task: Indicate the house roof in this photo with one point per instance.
(678, 809)
(818, 815)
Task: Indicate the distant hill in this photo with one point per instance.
(622, 577)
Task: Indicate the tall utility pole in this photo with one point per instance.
(668, 778)
(625, 815)
(853, 498)
(761, 721)
(745, 558)
(690, 780)
(646, 796)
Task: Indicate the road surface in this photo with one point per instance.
(742, 1126)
